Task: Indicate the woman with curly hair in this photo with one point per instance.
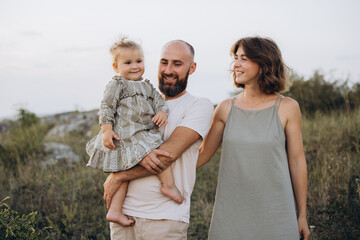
(262, 183)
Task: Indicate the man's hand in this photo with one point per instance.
(152, 163)
(111, 185)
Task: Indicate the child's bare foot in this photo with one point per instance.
(173, 193)
(119, 218)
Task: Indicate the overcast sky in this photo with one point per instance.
(54, 55)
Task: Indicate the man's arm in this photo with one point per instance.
(155, 162)
(180, 140)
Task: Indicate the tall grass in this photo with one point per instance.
(69, 198)
(332, 144)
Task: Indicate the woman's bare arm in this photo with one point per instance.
(297, 162)
(214, 138)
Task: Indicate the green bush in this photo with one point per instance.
(26, 118)
(23, 141)
(14, 226)
(319, 94)
(67, 198)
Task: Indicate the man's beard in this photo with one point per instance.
(173, 90)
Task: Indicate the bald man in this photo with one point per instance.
(156, 215)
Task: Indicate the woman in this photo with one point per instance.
(262, 163)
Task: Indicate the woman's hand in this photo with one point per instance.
(108, 139)
(152, 163)
(304, 231)
(111, 185)
(160, 119)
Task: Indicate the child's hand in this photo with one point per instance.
(108, 139)
(160, 119)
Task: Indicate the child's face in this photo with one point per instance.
(130, 64)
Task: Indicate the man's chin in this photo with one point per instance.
(169, 82)
(167, 88)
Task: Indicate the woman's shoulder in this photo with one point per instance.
(223, 108)
(226, 103)
(289, 107)
(289, 103)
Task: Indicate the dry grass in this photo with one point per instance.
(69, 198)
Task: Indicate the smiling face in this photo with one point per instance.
(246, 71)
(130, 63)
(176, 64)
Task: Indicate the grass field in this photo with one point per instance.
(69, 199)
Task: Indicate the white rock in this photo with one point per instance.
(58, 153)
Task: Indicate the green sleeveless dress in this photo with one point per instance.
(254, 195)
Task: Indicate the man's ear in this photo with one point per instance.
(192, 68)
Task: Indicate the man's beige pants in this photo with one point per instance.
(150, 229)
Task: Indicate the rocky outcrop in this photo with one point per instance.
(62, 124)
(65, 123)
(58, 153)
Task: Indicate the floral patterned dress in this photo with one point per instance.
(129, 107)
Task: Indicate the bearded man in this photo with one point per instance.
(157, 216)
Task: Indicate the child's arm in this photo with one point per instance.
(109, 104)
(160, 118)
(108, 110)
(108, 135)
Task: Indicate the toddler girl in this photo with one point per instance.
(128, 113)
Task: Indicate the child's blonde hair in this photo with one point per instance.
(123, 43)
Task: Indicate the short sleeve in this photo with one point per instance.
(198, 117)
(109, 103)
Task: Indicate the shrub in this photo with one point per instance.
(23, 141)
(17, 227)
(26, 118)
(318, 94)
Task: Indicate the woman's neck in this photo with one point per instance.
(253, 98)
(252, 92)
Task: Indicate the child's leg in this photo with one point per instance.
(115, 211)
(168, 187)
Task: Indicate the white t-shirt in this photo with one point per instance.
(144, 198)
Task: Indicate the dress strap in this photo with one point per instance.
(277, 100)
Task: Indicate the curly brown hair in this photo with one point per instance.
(274, 74)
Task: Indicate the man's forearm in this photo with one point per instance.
(180, 140)
(132, 174)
